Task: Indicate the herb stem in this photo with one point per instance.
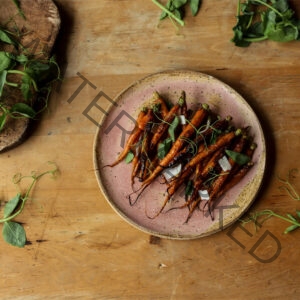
(271, 213)
(11, 84)
(24, 74)
(169, 13)
(262, 38)
(270, 7)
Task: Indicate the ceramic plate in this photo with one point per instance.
(115, 182)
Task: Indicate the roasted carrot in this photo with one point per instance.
(240, 173)
(136, 161)
(224, 175)
(188, 150)
(236, 178)
(179, 143)
(165, 123)
(200, 177)
(222, 141)
(142, 120)
(144, 156)
(172, 190)
(163, 108)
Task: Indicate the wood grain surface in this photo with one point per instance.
(79, 248)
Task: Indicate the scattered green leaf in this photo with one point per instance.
(163, 148)
(288, 186)
(11, 205)
(172, 128)
(259, 20)
(13, 233)
(239, 158)
(189, 188)
(269, 213)
(6, 38)
(23, 110)
(175, 9)
(129, 157)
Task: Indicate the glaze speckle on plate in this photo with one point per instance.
(115, 182)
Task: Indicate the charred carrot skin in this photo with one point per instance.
(221, 142)
(164, 125)
(163, 108)
(179, 143)
(224, 175)
(144, 156)
(142, 120)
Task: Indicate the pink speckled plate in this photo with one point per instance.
(115, 182)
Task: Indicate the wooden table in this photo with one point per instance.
(79, 247)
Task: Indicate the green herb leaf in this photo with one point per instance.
(195, 6)
(189, 188)
(129, 157)
(163, 148)
(291, 228)
(3, 75)
(5, 38)
(291, 217)
(179, 3)
(11, 205)
(239, 158)
(3, 120)
(5, 61)
(298, 213)
(14, 234)
(259, 20)
(173, 127)
(22, 59)
(23, 109)
(26, 87)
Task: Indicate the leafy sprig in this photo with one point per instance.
(13, 232)
(294, 220)
(288, 186)
(21, 70)
(259, 20)
(175, 9)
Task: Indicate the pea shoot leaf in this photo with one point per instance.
(163, 148)
(5, 38)
(291, 228)
(23, 110)
(14, 234)
(129, 157)
(239, 158)
(177, 8)
(26, 87)
(195, 6)
(260, 20)
(11, 205)
(189, 188)
(2, 81)
(2, 120)
(173, 127)
(5, 61)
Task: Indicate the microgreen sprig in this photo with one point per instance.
(259, 20)
(294, 220)
(175, 9)
(288, 186)
(13, 232)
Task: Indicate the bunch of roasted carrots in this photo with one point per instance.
(197, 149)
